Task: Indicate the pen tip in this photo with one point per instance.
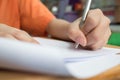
(76, 46)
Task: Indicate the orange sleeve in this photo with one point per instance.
(34, 17)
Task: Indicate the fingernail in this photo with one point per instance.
(81, 41)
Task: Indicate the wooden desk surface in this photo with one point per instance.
(112, 74)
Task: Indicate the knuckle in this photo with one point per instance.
(108, 20)
(23, 32)
(96, 11)
(17, 33)
(99, 11)
(91, 20)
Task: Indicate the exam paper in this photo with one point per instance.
(71, 54)
(23, 56)
(85, 63)
(56, 58)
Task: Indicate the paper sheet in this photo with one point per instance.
(71, 54)
(54, 57)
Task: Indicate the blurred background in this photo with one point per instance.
(72, 9)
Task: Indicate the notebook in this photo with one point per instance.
(56, 57)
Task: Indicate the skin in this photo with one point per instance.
(15, 34)
(94, 34)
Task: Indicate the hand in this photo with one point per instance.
(94, 34)
(16, 34)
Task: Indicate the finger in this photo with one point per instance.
(96, 46)
(102, 42)
(107, 35)
(76, 34)
(92, 21)
(23, 36)
(97, 34)
(5, 35)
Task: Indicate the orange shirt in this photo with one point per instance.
(29, 15)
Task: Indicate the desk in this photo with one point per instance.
(112, 74)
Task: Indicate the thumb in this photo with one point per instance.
(78, 36)
(81, 39)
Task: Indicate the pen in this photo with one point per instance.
(84, 16)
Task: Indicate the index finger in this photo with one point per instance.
(93, 19)
(23, 36)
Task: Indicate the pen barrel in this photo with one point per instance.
(85, 13)
(86, 10)
(84, 16)
(81, 24)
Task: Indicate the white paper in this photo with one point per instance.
(93, 67)
(56, 58)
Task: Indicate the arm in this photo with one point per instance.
(58, 28)
(34, 17)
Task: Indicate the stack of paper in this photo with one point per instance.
(56, 58)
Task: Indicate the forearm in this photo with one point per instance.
(58, 29)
